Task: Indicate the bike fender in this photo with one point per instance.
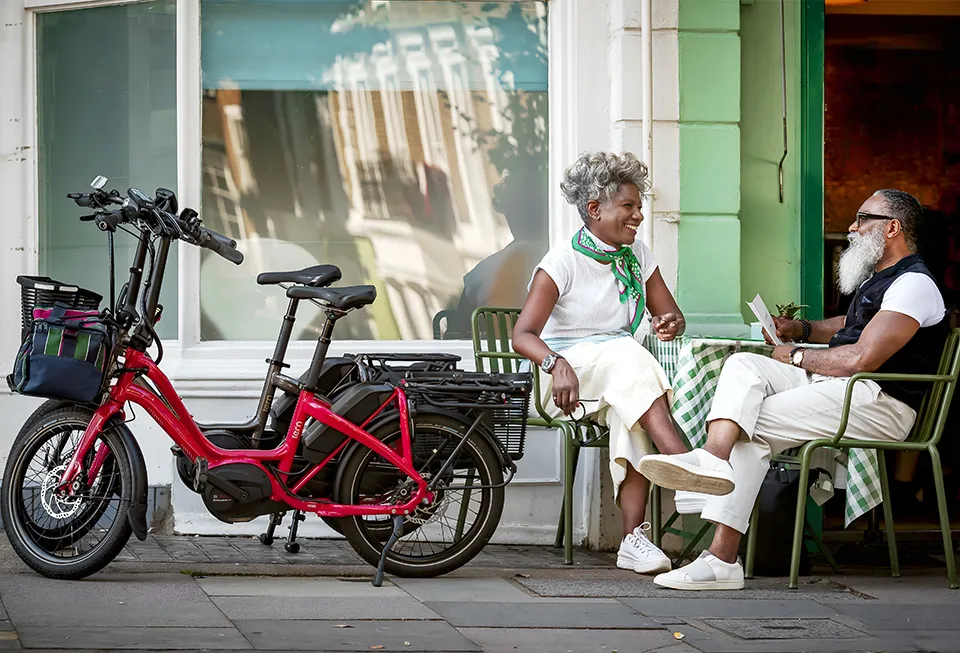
(137, 512)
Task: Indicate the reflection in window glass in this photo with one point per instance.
(405, 142)
(106, 106)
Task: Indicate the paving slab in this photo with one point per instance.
(754, 629)
(108, 600)
(381, 609)
(361, 636)
(463, 589)
(297, 587)
(643, 587)
(579, 614)
(9, 640)
(930, 588)
(514, 640)
(903, 617)
(941, 641)
(729, 608)
(133, 638)
(703, 637)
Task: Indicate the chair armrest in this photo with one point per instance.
(879, 376)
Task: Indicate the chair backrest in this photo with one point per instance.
(492, 349)
(932, 417)
(492, 330)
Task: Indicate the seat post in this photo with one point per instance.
(320, 354)
(276, 366)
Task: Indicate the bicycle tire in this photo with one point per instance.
(32, 552)
(368, 544)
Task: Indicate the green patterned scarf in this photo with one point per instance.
(626, 270)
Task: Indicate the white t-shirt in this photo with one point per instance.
(589, 302)
(915, 295)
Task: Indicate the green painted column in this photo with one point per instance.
(708, 283)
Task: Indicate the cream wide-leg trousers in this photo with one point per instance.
(778, 407)
(623, 379)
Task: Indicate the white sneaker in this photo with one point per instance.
(695, 471)
(638, 553)
(708, 572)
(689, 503)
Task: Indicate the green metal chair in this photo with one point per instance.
(492, 328)
(931, 419)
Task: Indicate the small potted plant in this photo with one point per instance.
(790, 311)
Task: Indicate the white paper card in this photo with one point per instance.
(763, 315)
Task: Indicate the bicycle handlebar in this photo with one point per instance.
(187, 227)
(221, 245)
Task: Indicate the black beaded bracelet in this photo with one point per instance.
(807, 330)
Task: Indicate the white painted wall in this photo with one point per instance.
(595, 90)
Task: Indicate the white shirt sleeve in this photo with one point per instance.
(647, 263)
(558, 268)
(917, 296)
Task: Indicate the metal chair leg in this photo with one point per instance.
(800, 518)
(752, 540)
(888, 515)
(571, 456)
(944, 517)
(656, 515)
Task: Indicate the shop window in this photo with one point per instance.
(374, 136)
(106, 104)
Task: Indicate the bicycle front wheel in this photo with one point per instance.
(65, 536)
(437, 538)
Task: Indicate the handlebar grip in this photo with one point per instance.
(221, 245)
(223, 240)
(110, 221)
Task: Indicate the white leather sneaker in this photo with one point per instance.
(638, 553)
(689, 503)
(708, 572)
(695, 471)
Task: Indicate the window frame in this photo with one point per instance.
(192, 359)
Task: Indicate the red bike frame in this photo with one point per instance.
(169, 412)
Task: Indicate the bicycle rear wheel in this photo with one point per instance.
(449, 532)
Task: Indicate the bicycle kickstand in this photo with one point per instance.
(394, 536)
(292, 546)
(267, 538)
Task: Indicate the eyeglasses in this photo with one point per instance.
(861, 216)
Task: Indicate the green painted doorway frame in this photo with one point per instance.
(812, 44)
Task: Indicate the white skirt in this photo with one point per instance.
(626, 379)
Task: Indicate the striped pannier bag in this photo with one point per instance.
(64, 356)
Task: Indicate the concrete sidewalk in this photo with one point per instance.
(180, 593)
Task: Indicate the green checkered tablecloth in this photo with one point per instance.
(693, 365)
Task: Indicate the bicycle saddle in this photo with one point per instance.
(315, 276)
(342, 299)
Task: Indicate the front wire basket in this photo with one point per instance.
(504, 400)
(44, 292)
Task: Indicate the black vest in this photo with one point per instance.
(920, 355)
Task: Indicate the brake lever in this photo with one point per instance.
(88, 218)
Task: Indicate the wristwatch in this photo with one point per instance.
(548, 362)
(796, 356)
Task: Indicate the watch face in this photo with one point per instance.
(548, 362)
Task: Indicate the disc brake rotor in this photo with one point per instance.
(56, 505)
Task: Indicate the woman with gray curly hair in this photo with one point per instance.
(586, 314)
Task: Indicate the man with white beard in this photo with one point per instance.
(896, 323)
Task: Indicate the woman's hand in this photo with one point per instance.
(566, 386)
(787, 330)
(668, 326)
